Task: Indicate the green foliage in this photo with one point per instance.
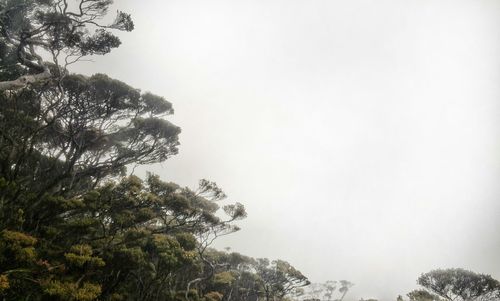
(213, 296)
(4, 283)
(186, 240)
(193, 295)
(460, 284)
(72, 225)
(422, 295)
(72, 291)
(67, 31)
(279, 278)
(81, 255)
(17, 246)
(80, 137)
(223, 278)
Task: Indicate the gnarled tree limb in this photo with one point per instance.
(24, 80)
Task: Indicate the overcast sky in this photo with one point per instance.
(362, 136)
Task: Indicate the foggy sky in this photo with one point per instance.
(362, 136)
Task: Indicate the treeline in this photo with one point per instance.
(73, 225)
(329, 291)
(453, 285)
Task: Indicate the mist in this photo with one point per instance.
(362, 136)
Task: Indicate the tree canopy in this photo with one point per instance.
(62, 30)
(460, 284)
(74, 223)
(77, 224)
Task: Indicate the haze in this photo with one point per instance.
(362, 136)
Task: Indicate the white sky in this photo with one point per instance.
(362, 136)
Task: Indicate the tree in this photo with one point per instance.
(344, 288)
(330, 287)
(326, 290)
(315, 291)
(62, 144)
(422, 295)
(279, 278)
(234, 277)
(209, 232)
(135, 239)
(460, 284)
(73, 225)
(32, 30)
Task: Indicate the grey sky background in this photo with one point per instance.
(362, 136)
